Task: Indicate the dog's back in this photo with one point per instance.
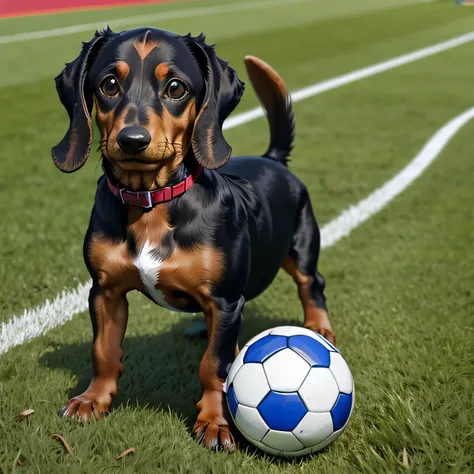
(280, 193)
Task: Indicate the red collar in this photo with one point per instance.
(148, 199)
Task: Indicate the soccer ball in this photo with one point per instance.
(290, 392)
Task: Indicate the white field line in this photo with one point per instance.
(355, 76)
(41, 319)
(133, 20)
(37, 321)
(351, 218)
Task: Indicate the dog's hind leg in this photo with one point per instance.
(198, 328)
(301, 263)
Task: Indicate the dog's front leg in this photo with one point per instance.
(223, 320)
(109, 313)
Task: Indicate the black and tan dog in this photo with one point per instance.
(165, 222)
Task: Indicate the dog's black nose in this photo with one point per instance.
(133, 139)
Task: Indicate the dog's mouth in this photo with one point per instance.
(149, 159)
(137, 164)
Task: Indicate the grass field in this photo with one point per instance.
(400, 288)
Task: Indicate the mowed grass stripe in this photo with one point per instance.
(345, 148)
(215, 26)
(405, 340)
(10, 26)
(162, 16)
(354, 76)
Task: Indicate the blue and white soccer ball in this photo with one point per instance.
(290, 392)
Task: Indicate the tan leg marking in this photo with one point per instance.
(211, 427)
(315, 318)
(116, 276)
(112, 313)
(195, 272)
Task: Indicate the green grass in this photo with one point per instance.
(216, 26)
(349, 141)
(400, 288)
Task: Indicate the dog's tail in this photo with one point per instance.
(275, 99)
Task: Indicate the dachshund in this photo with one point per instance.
(174, 217)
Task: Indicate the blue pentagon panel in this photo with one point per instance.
(341, 411)
(264, 348)
(311, 350)
(282, 411)
(232, 401)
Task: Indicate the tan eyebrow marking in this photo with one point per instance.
(162, 71)
(143, 47)
(123, 70)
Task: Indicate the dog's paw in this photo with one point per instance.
(326, 332)
(85, 408)
(214, 436)
(212, 428)
(318, 321)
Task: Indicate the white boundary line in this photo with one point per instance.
(37, 321)
(355, 76)
(348, 220)
(131, 20)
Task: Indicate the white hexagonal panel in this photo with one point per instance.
(301, 452)
(286, 371)
(238, 363)
(251, 423)
(250, 385)
(258, 336)
(314, 428)
(264, 447)
(282, 441)
(319, 391)
(341, 372)
(327, 441)
(287, 331)
(300, 331)
(332, 437)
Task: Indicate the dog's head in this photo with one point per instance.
(157, 96)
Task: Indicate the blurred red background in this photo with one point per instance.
(32, 7)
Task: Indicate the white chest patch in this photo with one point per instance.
(149, 267)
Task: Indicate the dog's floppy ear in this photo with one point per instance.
(74, 149)
(223, 91)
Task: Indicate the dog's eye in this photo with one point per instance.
(110, 86)
(176, 89)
